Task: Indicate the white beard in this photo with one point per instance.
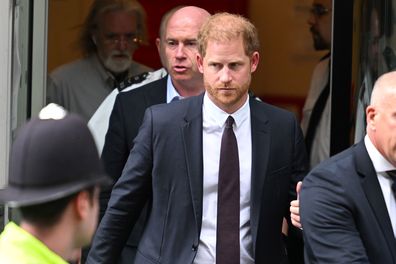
(117, 65)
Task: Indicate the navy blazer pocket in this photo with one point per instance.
(278, 183)
(276, 173)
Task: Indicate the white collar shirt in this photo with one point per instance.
(213, 125)
(381, 165)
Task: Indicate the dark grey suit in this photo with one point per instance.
(165, 167)
(125, 120)
(344, 214)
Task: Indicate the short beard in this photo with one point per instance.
(117, 66)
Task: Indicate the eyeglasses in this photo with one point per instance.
(130, 39)
(319, 10)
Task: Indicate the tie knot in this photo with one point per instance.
(392, 174)
(229, 122)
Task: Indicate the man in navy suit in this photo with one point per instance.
(348, 207)
(174, 165)
(177, 47)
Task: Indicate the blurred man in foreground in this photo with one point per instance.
(54, 180)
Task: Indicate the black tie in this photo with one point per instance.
(227, 245)
(392, 175)
(316, 115)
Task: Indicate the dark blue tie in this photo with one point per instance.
(227, 239)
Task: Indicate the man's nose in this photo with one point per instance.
(180, 51)
(122, 43)
(311, 20)
(225, 76)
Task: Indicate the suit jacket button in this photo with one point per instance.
(194, 247)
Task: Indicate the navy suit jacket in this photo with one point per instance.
(344, 214)
(165, 167)
(125, 120)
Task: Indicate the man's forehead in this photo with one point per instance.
(119, 18)
(225, 50)
(181, 34)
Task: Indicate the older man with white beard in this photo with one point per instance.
(110, 35)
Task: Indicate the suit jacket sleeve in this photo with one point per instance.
(128, 197)
(294, 241)
(115, 150)
(327, 214)
(300, 161)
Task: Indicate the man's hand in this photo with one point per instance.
(295, 208)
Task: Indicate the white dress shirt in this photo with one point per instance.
(213, 125)
(381, 165)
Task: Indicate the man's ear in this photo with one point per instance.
(370, 117)
(254, 61)
(82, 204)
(200, 62)
(158, 44)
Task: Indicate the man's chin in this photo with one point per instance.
(180, 75)
(320, 44)
(119, 66)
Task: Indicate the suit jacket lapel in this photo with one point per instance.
(260, 152)
(373, 193)
(192, 141)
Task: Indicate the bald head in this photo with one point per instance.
(384, 85)
(381, 116)
(179, 47)
(189, 14)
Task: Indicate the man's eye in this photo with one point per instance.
(130, 36)
(214, 65)
(234, 66)
(191, 43)
(111, 36)
(171, 43)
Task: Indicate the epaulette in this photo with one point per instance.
(132, 80)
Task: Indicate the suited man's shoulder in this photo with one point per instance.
(156, 87)
(265, 111)
(178, 110)
(193, 101)
(338, 169)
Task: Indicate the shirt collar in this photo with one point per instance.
(379, 162)
(218, 117)
(170, 90)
